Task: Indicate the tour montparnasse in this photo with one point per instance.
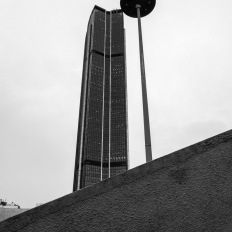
(102, 140)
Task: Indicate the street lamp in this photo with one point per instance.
(138, 9)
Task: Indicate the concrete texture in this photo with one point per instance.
(188, 190)
(7, 213)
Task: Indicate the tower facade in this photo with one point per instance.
(102, 139)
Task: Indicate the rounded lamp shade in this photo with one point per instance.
(129, 7)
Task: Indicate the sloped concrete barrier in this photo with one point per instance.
(188, 190)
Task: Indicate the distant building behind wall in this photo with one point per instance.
(102, 141)
(9, 210)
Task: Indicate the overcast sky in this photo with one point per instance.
(188, 59)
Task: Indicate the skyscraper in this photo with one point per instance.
(102, 140)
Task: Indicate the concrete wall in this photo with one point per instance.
(188, 190)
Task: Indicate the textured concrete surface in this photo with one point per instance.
(7, 213)
(188, 190)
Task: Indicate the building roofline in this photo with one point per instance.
(99, 8)
(103, 10)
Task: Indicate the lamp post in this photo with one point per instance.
(138, 9)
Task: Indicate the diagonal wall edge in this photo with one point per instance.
(190, 189)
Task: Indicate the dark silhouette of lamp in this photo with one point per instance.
(138, 9)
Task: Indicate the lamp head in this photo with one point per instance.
(129, 7)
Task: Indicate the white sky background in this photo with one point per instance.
(188, 59)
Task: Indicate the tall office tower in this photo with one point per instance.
(102, 140)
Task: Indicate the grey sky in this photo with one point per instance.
(188, 55)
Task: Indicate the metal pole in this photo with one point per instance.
(103, 102)
(144, 92)
(109, 161)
